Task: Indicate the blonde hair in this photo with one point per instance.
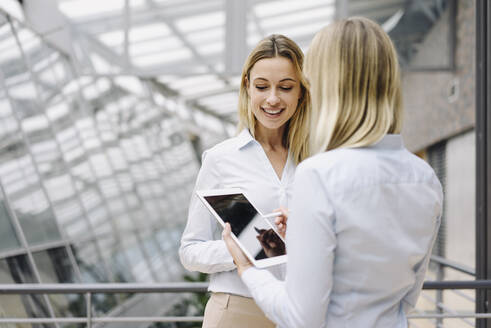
(296, 137)
(355, 85)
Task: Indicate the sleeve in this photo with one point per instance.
(410, 299)
(279, 271)
(302, 300)
(198, 250)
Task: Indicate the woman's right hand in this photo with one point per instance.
(281, 220)
(270, 242)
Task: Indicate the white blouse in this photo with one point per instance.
(238, 162)
(361, 227)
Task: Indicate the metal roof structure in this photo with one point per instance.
(194, 50)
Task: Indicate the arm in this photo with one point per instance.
(198, 251)
(410, 299)
(303, 299)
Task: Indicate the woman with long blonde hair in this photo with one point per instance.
(274, 105)
(365, 211)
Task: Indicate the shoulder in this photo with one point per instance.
(357, 167)
(355, 159)
(422, 169)
(316, 168)
(331, 160)
(419, 163)
(323, 167)
(224, 148)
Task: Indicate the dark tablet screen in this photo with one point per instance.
(252, 230)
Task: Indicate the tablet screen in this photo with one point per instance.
(252, 230)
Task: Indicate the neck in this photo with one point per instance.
(270, 138)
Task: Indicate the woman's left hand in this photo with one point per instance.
(240, 259)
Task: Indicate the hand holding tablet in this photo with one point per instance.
(256, 236)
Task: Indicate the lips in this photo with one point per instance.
(272, 111)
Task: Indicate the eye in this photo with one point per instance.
(286, 88)
(261, 87)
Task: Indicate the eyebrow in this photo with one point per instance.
(283, 80)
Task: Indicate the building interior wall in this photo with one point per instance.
(440, 103)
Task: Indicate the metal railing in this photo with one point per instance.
(453, 265)
(114, 288)
(104, 288)
(443, 311)
(453, 285)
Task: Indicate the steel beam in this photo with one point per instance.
(483, 155)
(235, 35)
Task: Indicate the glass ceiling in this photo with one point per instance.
(180, 45)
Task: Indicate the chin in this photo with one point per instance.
(272, 126)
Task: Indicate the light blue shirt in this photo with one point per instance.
(359, 237)
(238, 162)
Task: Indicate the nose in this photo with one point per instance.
(273, 99)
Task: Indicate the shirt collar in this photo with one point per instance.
(389, 141)
(244, 138)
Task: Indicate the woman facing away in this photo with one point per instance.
(273, 114)
(365, 211)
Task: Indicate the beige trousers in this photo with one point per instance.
(231, 311)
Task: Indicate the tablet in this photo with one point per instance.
(254, 234)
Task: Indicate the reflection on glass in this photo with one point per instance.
(89, 262)
(100, 221)
(8, 237)
(139, 266)
(8, 46)
(27, 199)
(57, 111)
(71, 218)
(92, 271)
(8, 125)
(120, 266)
(17, 270)
(155, 257)
(54, 267)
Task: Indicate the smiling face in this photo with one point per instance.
(274, 91)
